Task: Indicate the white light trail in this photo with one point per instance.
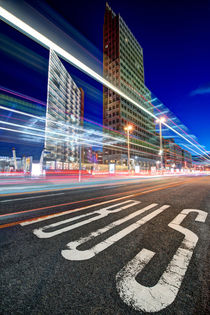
(193, 150)
(46, 42)
(59, 123)
(76, 127)
(39, 135)
(67, 137)
(59, 139)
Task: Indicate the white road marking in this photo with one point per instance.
(101, 213)
(108, 187)
(21, 187)
(42, 196)
(72, 253)
(72, 211)
(158, 297)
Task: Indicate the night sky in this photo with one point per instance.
(175, 36)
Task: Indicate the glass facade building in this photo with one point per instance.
(64, 115)
(123, 66)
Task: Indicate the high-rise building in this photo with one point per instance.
(123, 66)
(65, 110)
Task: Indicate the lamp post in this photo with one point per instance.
(128, 128)
(80, 161)
(160, 121)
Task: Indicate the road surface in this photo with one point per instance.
(125, 247)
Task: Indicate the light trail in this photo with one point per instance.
(38, 135)
(100, 134)
(201, 156)
(89, 131)
(161, 112)
(74, 127)
(134, 193)
(34, 100)
(52, 132)
(44, 120)
(66, 140)
(14, 102)
(14, 118)
(106, 127)
(55, 122)
(84, 143)
(92, 122)
(46, 42)
(44, 104)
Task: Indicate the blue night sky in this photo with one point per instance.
(175, 36)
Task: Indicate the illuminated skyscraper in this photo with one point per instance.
(65, 107)
(123, 66)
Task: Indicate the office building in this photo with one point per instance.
(174, 156)
(98, 156)
(186, 159)
(65, 111)
(123, 66)
(87, 155)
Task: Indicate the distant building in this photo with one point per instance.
(87, 155)
(186, 159)
(8, 163)
(174, 156)
(202, 158)
(91, 156)
(97, 156)
(123, 66)
(65, 111)
(201, 161)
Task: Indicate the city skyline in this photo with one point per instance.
(88, 104)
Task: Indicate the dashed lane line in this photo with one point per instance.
(135, 181)
(137, 192)
(33, 197)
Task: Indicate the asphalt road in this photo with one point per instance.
(130, 248)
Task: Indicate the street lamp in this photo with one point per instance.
(158, 164)
(160, 121)
(128, 128)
